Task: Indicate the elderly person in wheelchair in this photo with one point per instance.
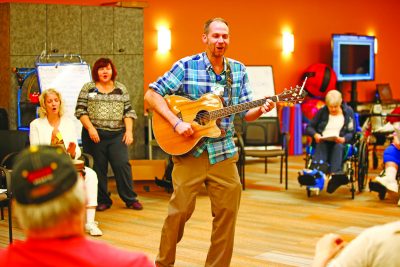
(331, 129)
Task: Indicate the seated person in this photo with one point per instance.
(376, 246)
(332, 127)
(52, 128)
(49, 204)
(387, 179)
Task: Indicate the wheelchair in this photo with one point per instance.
(355, 165)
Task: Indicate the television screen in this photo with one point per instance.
(353, 57)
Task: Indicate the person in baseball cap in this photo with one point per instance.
(49, 201)
(41, 174)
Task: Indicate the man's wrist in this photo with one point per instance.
(177, 123)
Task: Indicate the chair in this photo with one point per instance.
(12, 142)
(5, 198)
(263, 138)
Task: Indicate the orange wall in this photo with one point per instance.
(256, 27)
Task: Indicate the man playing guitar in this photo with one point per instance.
(213, 161)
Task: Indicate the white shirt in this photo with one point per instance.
(335, 123)
(377, 246)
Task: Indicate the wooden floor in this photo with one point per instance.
(275, 227)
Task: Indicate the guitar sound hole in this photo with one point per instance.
(203, 117)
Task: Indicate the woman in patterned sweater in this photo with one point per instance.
(105, 111)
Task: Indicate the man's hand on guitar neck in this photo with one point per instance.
(267, 107)
(255, 113)
(183, 128)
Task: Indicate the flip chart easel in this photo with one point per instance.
(262, 83)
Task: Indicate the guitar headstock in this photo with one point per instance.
(293, 95)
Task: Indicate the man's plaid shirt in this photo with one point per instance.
(193, 76)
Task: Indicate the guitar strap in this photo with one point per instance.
(229, 81)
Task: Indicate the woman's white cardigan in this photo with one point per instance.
(41, 130)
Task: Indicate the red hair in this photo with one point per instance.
(101, 63)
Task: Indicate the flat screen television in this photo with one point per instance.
(353, 57)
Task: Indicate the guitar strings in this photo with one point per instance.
(295, 98)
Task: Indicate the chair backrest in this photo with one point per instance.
(263, 132)
(12, 141)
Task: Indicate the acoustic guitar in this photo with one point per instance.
(203, 114)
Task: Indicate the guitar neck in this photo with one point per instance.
(224, 112)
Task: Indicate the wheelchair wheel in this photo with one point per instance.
(362, 163)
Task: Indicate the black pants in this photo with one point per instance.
(110, 149)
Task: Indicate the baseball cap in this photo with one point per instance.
(42, 173)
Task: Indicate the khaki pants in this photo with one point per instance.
(224, 189)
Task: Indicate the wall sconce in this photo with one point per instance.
(376, 46)
(287, 42)
(164, 40)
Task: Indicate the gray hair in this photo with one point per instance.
(48, 214)
(333, 98)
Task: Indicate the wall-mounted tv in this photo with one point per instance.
(353, 57)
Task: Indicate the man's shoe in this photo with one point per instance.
(92, 229)
(336, 181)
(102, 207)
(391, 185)
(135, 205)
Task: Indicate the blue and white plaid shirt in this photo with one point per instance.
(194, 76)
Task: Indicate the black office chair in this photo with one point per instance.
(263, 138)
